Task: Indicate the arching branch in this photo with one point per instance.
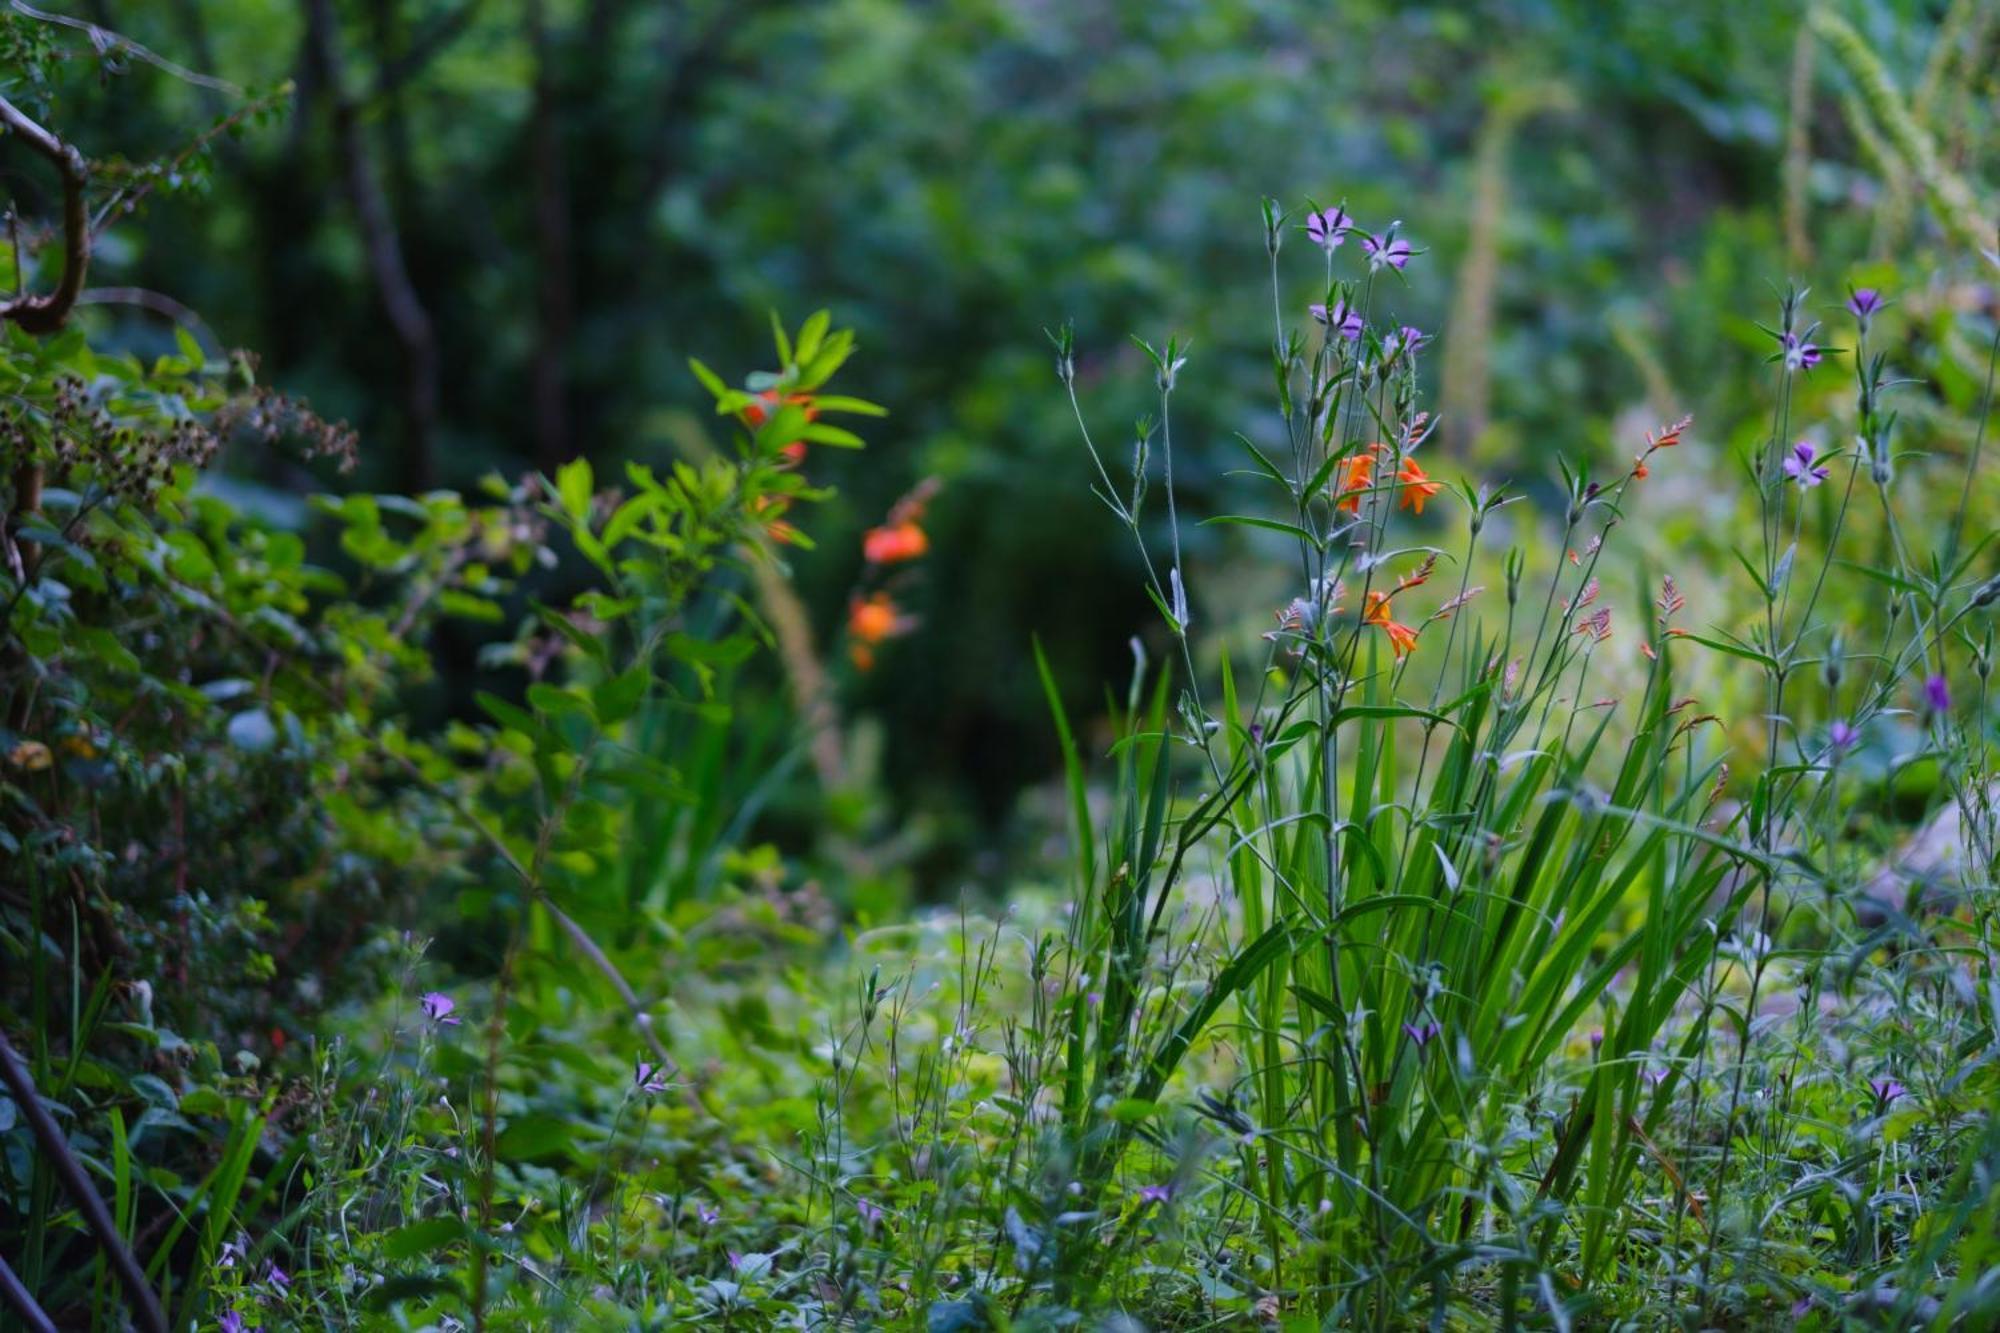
(48, 313)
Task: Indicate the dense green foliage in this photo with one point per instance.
(469, 868)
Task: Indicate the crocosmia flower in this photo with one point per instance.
(1392, 251)
(871, 621)
(1799, 466)
(439, 1007)
(1328, 229)
(1416, 488)
(894, 543)
(1357, 473)
(1402, 639)
(1340, 317)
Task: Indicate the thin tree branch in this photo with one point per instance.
(22, 1302)
(103, 39)
(424, 47)
(158, 303)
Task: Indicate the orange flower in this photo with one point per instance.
(1402, 639)
(770, 511)
(894, 542)
(1417, 487)
(1639, 468)
(871, 621)
(1669, 436)
(1356, 476)
(757, 413)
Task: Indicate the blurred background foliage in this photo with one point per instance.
(489, 233)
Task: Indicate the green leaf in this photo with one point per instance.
(620, 697)
(422, 1237)
(574, 486)
(1241, 970)
(1272, 524)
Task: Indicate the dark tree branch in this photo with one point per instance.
(407, 316)
(145, 1305)
(429, 43)
(46, 314)
(554, 291)
(22, 1302)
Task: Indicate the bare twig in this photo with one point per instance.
(104, 39)
(158, 303)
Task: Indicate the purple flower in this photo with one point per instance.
(1404, 341)
(1391, 250)
(648, 1078)
(280, 1281)
(1841, 736)
(1340, 317)
(735, 1258)
(1421, 1033)
(707, 1214)
(1937, 694)
(1886, 1090)
(233, 1252)
(1864, 303)
(1155, 1193)
(1799, 467)
(871, 1213)
(1327, 230)
(1799, 354)
(1655, 1075)
(231, 1322)
(438, 1008)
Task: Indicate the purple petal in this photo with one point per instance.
(1937, 693)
